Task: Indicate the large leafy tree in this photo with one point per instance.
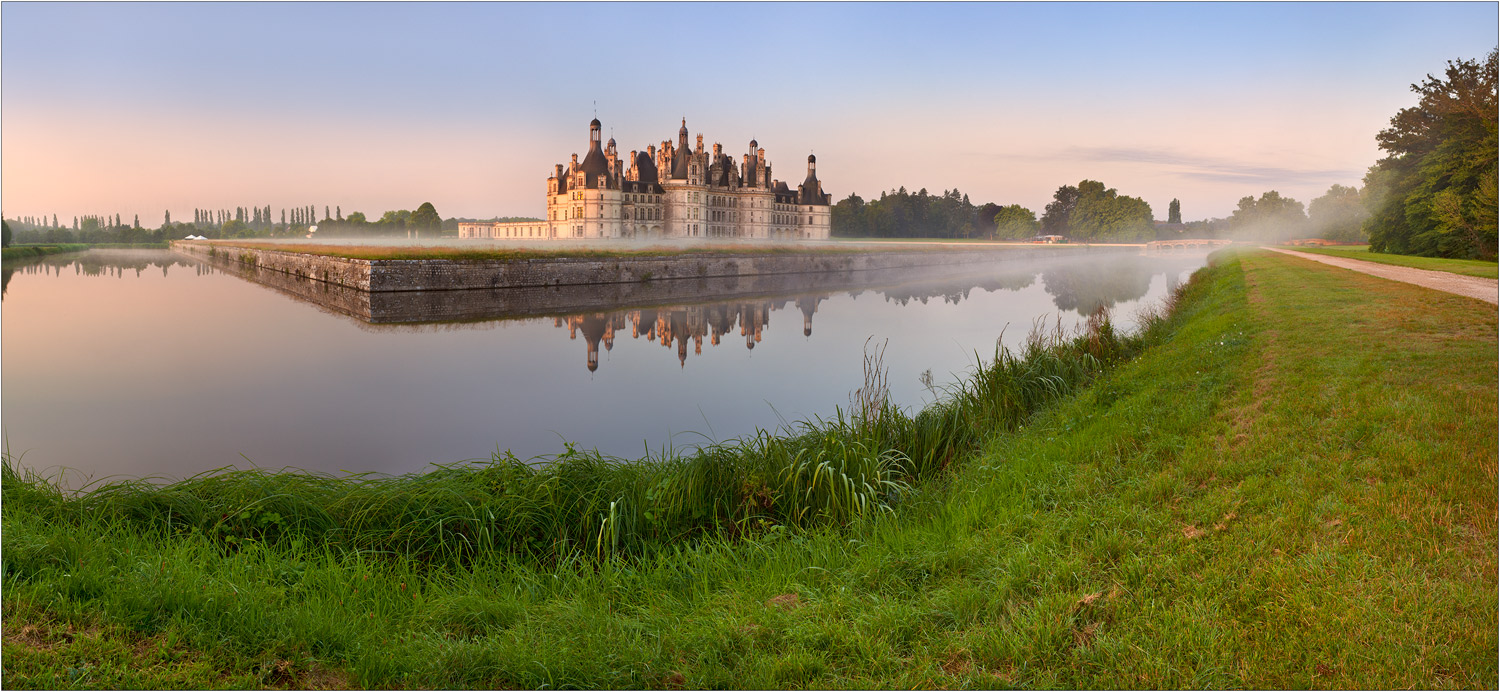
(1057, 216)
(426, 218)
(1104, 214)
(1014, 222)
(1338, 214)
(1272, 217)
(1434, 193)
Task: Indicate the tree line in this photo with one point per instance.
(240, 222)
(1087, 211)
(1433, 194)
(899, 213)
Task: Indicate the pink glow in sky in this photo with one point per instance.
(147, 107)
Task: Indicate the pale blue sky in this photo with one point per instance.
(133, 107)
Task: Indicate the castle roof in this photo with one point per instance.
(645, 168)
(594, 165)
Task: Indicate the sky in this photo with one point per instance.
(137, 108)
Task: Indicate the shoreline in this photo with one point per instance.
(475, 271)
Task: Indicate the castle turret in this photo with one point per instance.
(811, 191)
(680, 155)
(595, 165)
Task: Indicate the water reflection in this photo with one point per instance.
(682, 324)
(1080, 288)
(114, 367)
(1085, 290)
(100, 263)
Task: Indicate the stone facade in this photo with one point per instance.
(675, 191)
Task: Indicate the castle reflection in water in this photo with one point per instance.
(1080, 287)
(680, 325)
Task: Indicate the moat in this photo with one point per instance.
(169, 365)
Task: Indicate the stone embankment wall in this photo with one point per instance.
(418, 307)
(352, 273)
(379, 276)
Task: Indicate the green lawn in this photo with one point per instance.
(1296, 489)
(1479, 268)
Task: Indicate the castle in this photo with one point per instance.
(671, 192)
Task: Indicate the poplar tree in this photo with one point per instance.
(1174, 212)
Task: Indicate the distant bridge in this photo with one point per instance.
(1166, 247)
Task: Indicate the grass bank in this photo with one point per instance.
(1293, 487)
(1467, 267)
(18, 253)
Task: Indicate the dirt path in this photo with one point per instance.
(1487, 290)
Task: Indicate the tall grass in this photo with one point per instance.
(581, 505)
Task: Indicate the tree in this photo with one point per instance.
(1338, 214)
(1013, 222)
(235, 228)
(1272, 217)
(338, 214)
(137, 223)
(1058, 214)
(1100, 213)
(356, 218)
(426, 218)
(1174, 212)
(4, 233)
(1434, 192)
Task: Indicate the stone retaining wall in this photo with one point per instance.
(417, 307)
(379, 276)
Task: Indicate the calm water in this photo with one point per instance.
(146, 363)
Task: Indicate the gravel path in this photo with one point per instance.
(1487, 290)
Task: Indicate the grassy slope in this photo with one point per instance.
(1479, 268)
(1296, 491)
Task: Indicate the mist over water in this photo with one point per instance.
(147, 363)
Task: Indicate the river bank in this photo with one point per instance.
(21, 253)
(1237, 506)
